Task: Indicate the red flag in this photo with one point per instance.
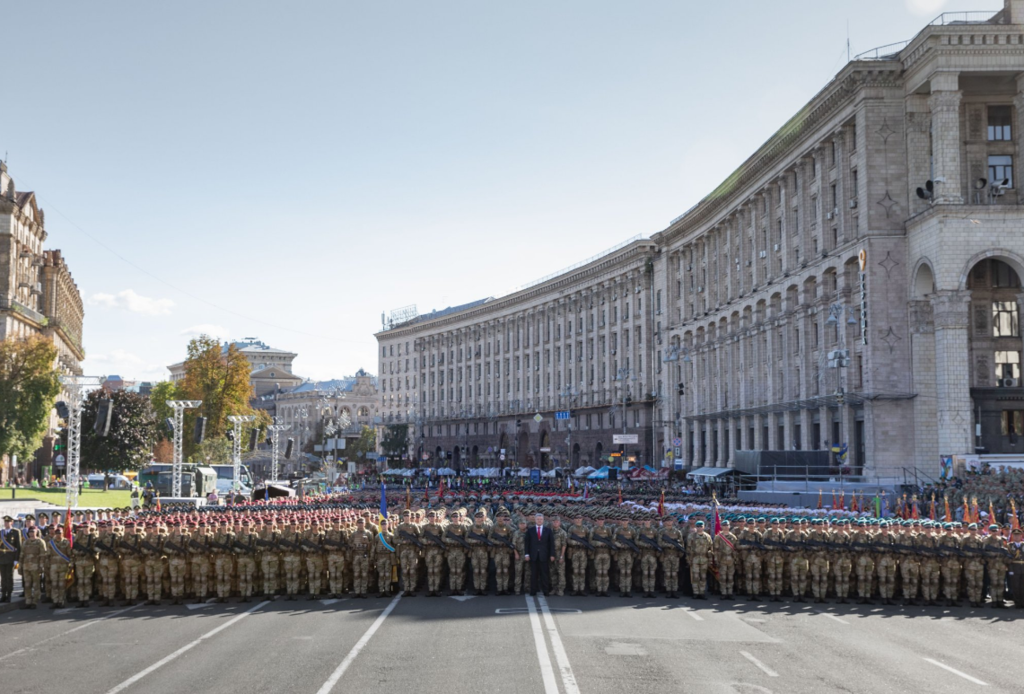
(915, 513)
(967, 511)
(932, 512)
(819, 499)
(949, 516)
(842, 500)
(661, 504)
(854, 506)
(67, 527)
(718, 521)
(833, 499)
(991, 513)
(1014, 521)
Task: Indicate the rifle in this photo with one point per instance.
(334, 543)
(863, 546)
(501, 539)
(435, 539)
(607, 541)
(629, 544)
(128, 546)
(674, 543)
(174, 548)
(405, 534)
(310, 545)
(582, 541)
(482, 538)
(651, 542)
(102, 547)
(458, 539)
(264, 543)
(288, 544)
(192, 542)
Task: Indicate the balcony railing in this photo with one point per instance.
(949, 18)
(18, 307)
(888, 52)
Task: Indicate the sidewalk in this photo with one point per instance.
(16, 602)
(12, 507)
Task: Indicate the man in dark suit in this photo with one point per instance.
(10, 550)
(540, 552)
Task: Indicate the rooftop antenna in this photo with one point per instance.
(847, 40)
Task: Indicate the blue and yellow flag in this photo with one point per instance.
(383, 500)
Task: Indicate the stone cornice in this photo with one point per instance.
(625, 259)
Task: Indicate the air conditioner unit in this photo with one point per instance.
(777, 247)
(612, 351)
(1009, 382)
(853, 203)
(762, 254)
(830, 215)
(748, 263)
(700, 289)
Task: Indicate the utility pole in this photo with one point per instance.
(273, 429)
(237, 420)
(76, 387)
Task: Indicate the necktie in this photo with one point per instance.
(538, 532)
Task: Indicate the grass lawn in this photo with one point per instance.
(89, 498)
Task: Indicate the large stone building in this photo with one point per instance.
(487, 377)
(271, 368)
(38, 295)
(814, 299)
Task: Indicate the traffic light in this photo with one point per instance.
(681, 389)
(60, 441)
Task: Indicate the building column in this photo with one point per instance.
(723, 432)
(825, 425)
(945, 107)
(806, 430)
(952, 372)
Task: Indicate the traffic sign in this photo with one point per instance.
(677, 441)
(537, 418)
(562, 414)
(59, 461)
(501, 457)
(625, 438)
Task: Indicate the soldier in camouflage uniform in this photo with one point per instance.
(336, 541)
(131, 565)
(817, 559)
(560, 539)
(270, 560)
(749, 541)
(864, 564)
(291, 560)
(153, 564)
(624, 557)
(33, 557)
(107, 563)
(774, 558)
(58, 564)
(501, 537)
(699, 550)
(199, 559)
(842, 563)
(246, 550)
(407, 533)
(433, 555)
(478, 555)
(671, 540)
(600, 537)
(910, 560)
(176, 549)
(85, 563)
(361, 542)
(384, 558)
(519, 541)
(974, 565)
(314, 559)
(223, 560)
(647, 540)
(577, 549)
(998, 565)
(456, 554)
(725, 555)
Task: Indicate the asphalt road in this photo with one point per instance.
(511, 644)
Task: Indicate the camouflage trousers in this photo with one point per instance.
(131, 571)
(931, 572)
(818, 567)
(974, 575)
(727, 575)
(648, 571)
(479, 562)
(624, 562)
(774, 562)
(360, 572)
(502, 560)
(291, 566)
(886, 569)
(85, 569)
(864, 567)
(602, 565)
(224, 569)
(456, 569)
(154, 577)
(520, 570)
(434, 561)
(841, 569)
(798, 570)
(410, 563)
(910, 570)
(699, 573)
(997, 579)
(246, 575)
(315, 571)
(177, 567)
(200, 576)
(269, 563)
(384, 562)
(32, 578)
(108, 577)
(578, 557)
(951, 578)
(752, 564)
(558, 576)
(670, 570)
(336, 572)
(56, 574)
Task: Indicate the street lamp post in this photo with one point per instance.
(569, 394)
(179, 423)
(273, 429)
(237, 420)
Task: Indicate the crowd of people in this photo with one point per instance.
(451, 542)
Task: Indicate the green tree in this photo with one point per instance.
(28, 386)
(395, 442)
(158, 397)
(220, 378)
(215, 451)
(366, 443)
(129, 444)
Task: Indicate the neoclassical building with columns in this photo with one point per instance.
(856, 283)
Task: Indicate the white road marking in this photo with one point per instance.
(764, 668)
(546, 672)
(360, 645)
(462, 598)
(329, 601)
(561, 657)
(187, 647)
(956, 672)
(511, 610)
(195, 606)
(693, 613)
(834, 618)
(65, 633)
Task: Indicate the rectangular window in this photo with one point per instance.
(1013, 422)
(1004, 319)
(1007, 364)
(999, 120)
(1000, 168)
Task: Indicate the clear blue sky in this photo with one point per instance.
(305, 166)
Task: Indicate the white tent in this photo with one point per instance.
(585, 470)
(446, 471)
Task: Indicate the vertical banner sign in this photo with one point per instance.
(862, 257)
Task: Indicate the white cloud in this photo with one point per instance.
(126, 364)
(218, 331)
(132, 302)
(926, 7)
